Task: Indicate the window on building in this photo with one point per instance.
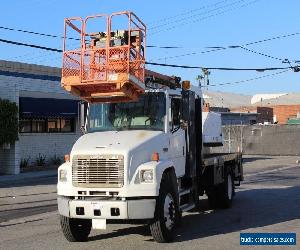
(67, 125)
(53, 125)
(47, 125)
(39, 126)
(25, 126)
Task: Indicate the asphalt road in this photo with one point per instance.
(267, 201)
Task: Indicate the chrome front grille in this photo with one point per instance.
(98, 170)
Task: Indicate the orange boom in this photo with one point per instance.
(108, 64)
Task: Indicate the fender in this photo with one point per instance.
(158, 168)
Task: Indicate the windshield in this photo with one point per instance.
(147, 113)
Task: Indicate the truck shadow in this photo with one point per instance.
(249, 158)
(251, 209)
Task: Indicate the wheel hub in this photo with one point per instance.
(169, 212)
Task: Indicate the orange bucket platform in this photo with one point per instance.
(106, 65)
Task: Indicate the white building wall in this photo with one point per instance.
(30, 145)
(46, 144)
(9, 157)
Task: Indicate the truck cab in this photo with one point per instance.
(141, 160)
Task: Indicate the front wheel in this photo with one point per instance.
(75, 229)
(166, 212)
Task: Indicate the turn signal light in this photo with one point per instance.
(155, 156)
(67, 158)
(186, 85)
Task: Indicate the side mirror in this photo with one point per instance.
(82, 130)
(82, 118)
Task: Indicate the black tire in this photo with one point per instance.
(212, 196)
(226, 191)
(221, 196)
(162, 228)
(75, 230)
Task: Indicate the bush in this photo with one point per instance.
(24, 162)
(55, 160)
(40, 160)
(8, 122)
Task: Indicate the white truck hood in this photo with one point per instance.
(136, 146)
(112, 141)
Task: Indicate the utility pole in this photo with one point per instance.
(199, 78)
(204, 78)
(206, 73)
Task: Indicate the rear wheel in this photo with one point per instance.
(75, 229)
(226, 191)
(167, 210)
(221, 196)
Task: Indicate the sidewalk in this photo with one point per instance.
(28, 175)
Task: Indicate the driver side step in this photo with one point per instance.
(185, 198)
(187, 207)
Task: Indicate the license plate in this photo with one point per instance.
(99, 224)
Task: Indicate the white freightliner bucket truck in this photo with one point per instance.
(145, 161)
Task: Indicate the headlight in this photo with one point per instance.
(62, 175)
(147, 176)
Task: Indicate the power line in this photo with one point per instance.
(199, 14)
(185, 13)
(73, 38)
(35, 33)
(194, 15)
(262, 54)
(30, 45)
(214, 48)
(218, 48)
(218, 68)
(286, 69)
(204, 18)
(157, 64)
(249, 80)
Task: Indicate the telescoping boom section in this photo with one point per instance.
(104, 57)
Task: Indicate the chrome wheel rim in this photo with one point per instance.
(169, 212)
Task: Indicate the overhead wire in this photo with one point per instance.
(218, 68)
(149, 46)
(186, 17)
(153, 63)
(206, 17)
(218, 48)
(198, 14)
(73, 38)
(248, 80)
(262, 54)
(184, 13)
(29, 45)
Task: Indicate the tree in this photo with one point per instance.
(8, 122)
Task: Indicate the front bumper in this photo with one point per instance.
(106, 209)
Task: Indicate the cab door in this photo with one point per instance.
(176, 136)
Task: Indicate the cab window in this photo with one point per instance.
(175, 114)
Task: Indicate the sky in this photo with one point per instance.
(192, 25)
